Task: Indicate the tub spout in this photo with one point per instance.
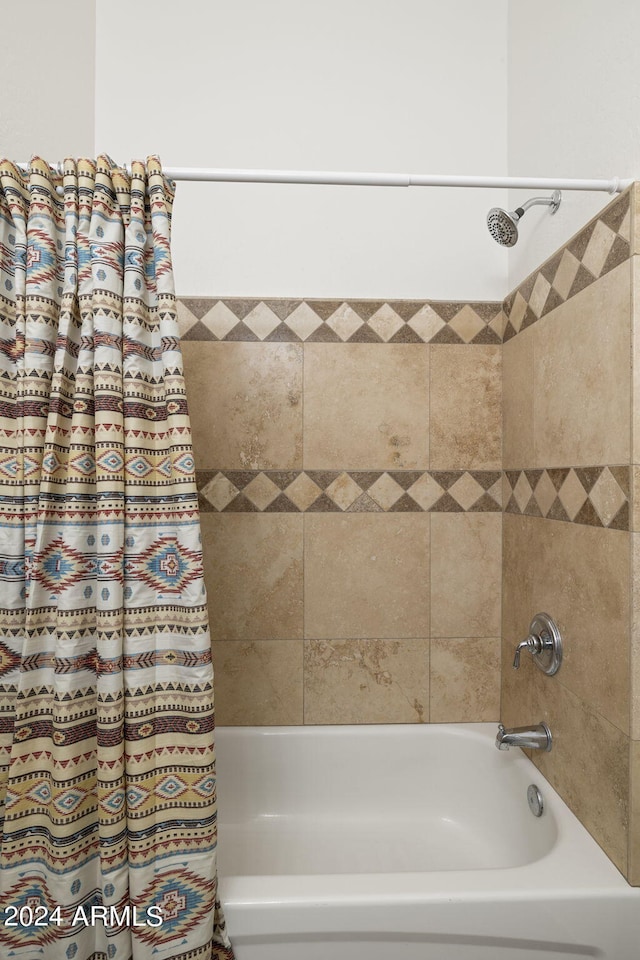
(532, 738)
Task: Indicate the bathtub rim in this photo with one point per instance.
(575, 866)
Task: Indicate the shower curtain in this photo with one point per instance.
(107, 779)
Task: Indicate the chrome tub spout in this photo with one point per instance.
(530, 738)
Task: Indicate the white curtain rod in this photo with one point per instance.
(204, 174)
(391, 179)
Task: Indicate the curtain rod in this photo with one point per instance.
(204, 174)
(391, 179)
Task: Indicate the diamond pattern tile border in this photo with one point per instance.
(596, 496)
(595, 250)
(353, 491)
(340, 321)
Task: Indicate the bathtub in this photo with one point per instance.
(407, 842)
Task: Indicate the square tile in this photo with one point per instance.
(633, 871)
(245, 404)
(385, 491)
(466, 491)
(219, 491)
(498, 324)
(581, 578)
(262, 320)
(587, 751)
(303, 491)
(303, 321)
(522, 492)
(607, 496)
(366, 681)
(539, 295)
(635, 641)
(366, 406)
(517, 312)
(219, 319)
(344, 322)
(426, 323)
(515, 688)
(258, 683)
(598, 248)
(465, 680)
(572, 495)
(517, 400)
(467, 324)
(466, 553)
(366, 575)
(518, 558)
(566, 274)
(261, 491)
(545, 493)
(343, 491)
(186, 319)
(466, 407)
(581, 377)
(385, 321)
(425, 491)
(253, 575)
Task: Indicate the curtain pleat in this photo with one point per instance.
(107, 767)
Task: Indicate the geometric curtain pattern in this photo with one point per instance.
(107, 779)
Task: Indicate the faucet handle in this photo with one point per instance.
(516, 659)
(545, 644)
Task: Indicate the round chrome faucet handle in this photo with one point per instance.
(544, 643)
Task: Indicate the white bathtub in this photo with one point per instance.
(407, 842)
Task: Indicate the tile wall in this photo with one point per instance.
(391, 490)
(349, 466)
(567, 455)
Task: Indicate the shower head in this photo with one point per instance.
(503, 225)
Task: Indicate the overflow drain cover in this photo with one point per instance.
(535, 801)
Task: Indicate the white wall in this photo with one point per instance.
(410, 85)
(574, 109)
(386, 85)
(48, 61)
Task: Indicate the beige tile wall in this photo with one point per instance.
(567, 545)
(354, 459)
(351, 507)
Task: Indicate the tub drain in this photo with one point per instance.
(535, 801)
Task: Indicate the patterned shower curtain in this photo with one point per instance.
(107, 780)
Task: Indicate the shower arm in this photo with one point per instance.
(553, 201)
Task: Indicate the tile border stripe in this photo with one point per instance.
(596, 496)
(353, 491)
(340, 321)
(603, 244)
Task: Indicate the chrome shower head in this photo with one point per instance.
(503, 225)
